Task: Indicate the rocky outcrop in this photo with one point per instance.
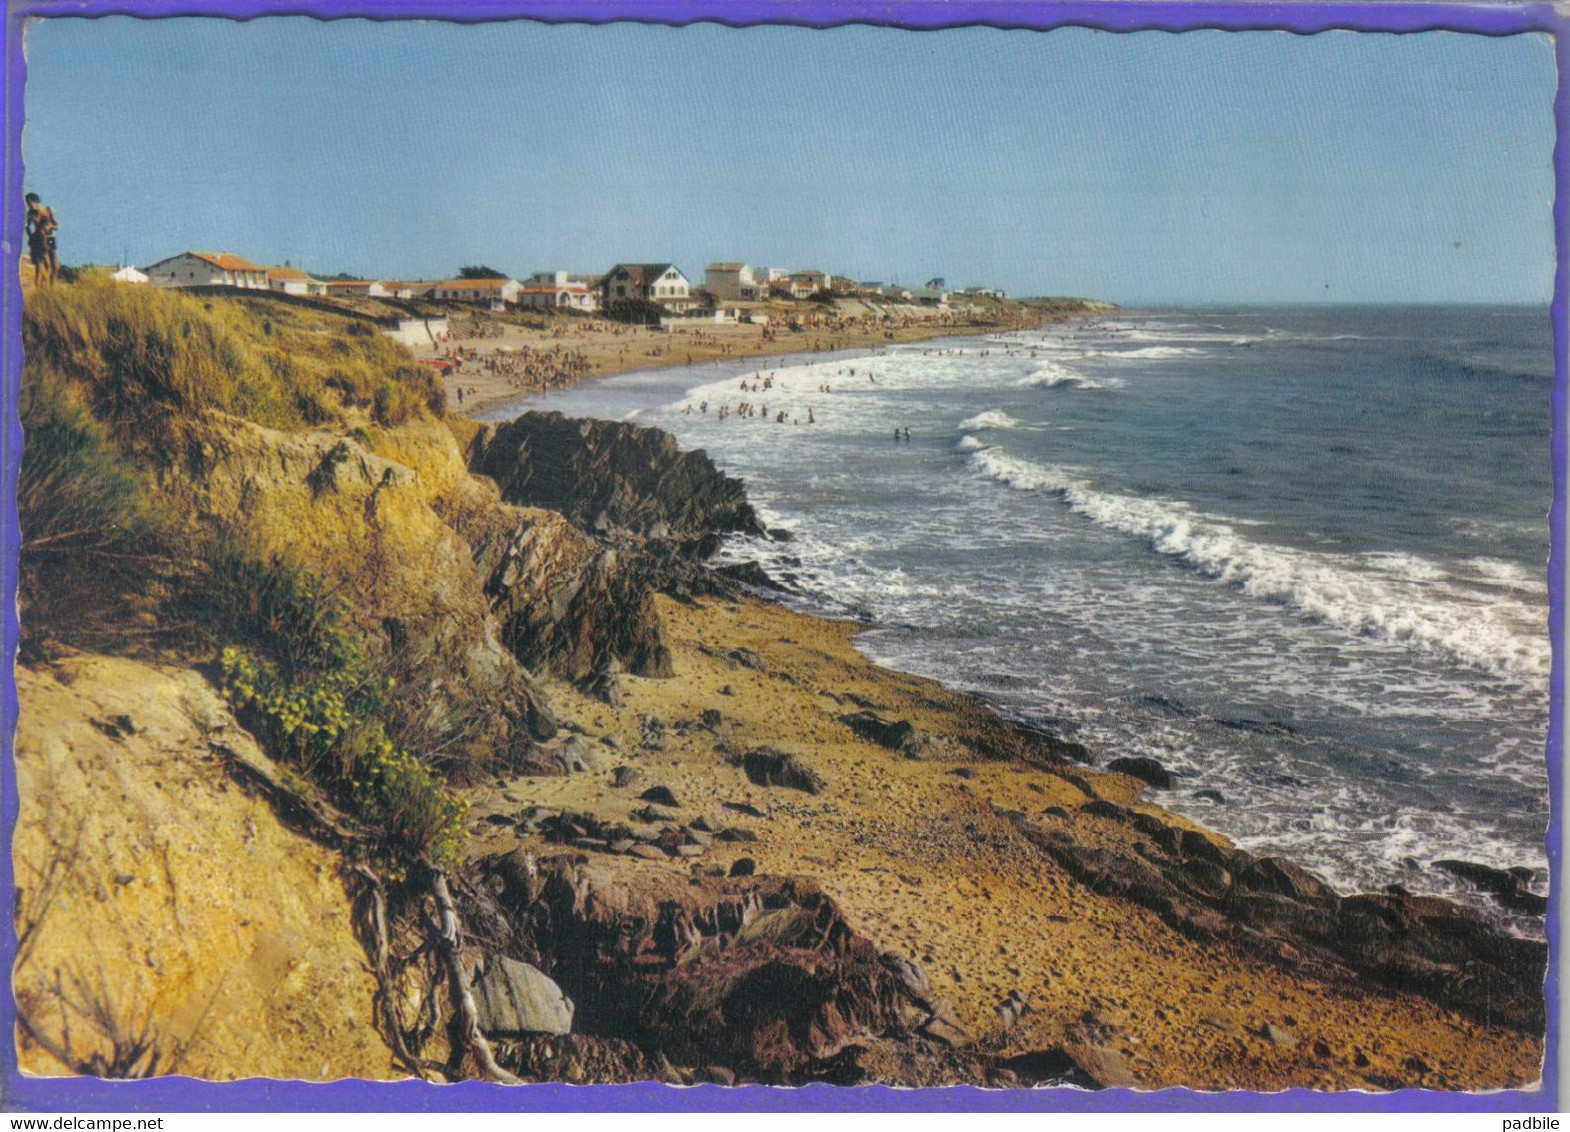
(351, 515)
(1273, 909)
(609, 476)
(760, 975)
(568, 603)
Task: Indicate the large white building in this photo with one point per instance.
(557, 290)
(208, 269)
(734, 282)
(293, 281)
(661, 283)
(477, 290)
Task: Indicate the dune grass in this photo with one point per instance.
(142, 354)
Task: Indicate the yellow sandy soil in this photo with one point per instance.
(162, 891)
(920, 861)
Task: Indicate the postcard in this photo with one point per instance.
(724, 546)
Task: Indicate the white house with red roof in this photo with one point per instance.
(293, 281)
(558, 290)
(477, 290)
(208, 269)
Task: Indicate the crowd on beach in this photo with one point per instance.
(527, 369)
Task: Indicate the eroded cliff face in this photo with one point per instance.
(169, 921)
(477, 592)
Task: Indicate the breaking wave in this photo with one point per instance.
(1397, 598)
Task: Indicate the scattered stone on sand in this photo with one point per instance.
(1276, 1035)
(660, 795)
(766, 766)
(747, 659)
(626, 776)
(743, 867)
(893, 734)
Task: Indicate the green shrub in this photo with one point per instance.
(316, 699)
(327, 728)
(83, 523)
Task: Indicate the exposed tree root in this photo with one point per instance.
(466, 1030)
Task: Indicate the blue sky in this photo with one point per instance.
(1143, 168)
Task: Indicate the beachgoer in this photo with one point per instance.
(40, 228)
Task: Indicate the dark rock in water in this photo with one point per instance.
(767, 767)
(661, 795)
(608, 475)
(1145, 769)
(1507, 886)
(896, 735)
(514, 999)
(780, 534)
(1278, 912)
(743, 867)
(749, 574)
(625, 776)
(1282, 877)
(1211, 796)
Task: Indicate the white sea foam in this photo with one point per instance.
(1152, 352)
(1390, 597)
(1048, 374)
(968, 443)
(992, 418)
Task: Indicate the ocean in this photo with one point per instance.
(1299, 556)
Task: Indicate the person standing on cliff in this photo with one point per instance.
(41, 227)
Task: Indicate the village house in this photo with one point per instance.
(814, 281)
(558, 290)
(355, 289)
(396, 289)
(661, 283)
(491, 291)
(207, 269)
(293, 281)
(733, 282)
(791, 288)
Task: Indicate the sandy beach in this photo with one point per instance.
(565, 351)
(925, 857)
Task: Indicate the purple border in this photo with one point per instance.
(22, 1093)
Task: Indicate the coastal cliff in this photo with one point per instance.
(533, 795)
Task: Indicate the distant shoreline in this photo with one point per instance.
(621, 350)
